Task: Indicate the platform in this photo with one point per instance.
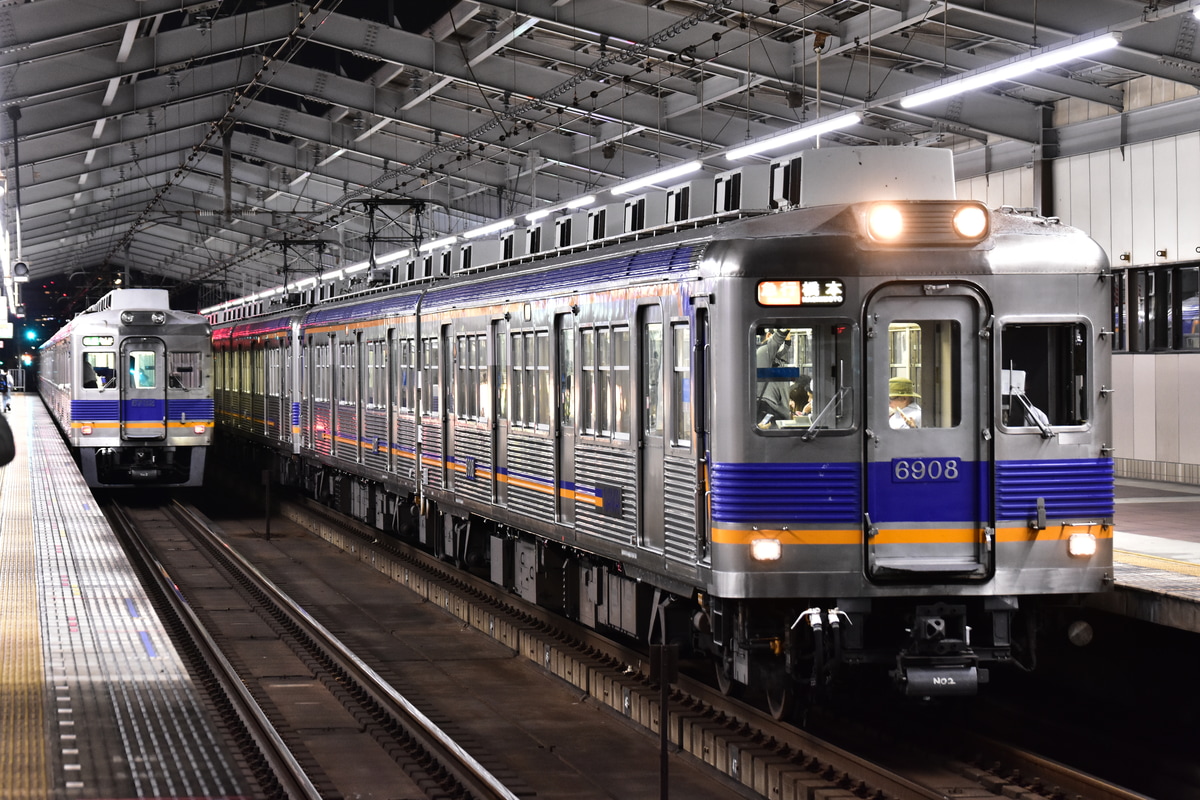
(94, 700)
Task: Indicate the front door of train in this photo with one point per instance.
(143, 388)
(928, 454)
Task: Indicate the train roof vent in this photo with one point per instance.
(834, 175)
(133, 298)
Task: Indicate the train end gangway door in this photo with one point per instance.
(928, 452)
(143, 389)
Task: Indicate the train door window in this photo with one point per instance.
(652, 368)
(566, 373)
(99, 369)
(431, 385)
(184, 371)
(501, 343)
(142, 369)
(621, 388)
(1043, 376)
(681, 384)
(587, 380)
(924, 389)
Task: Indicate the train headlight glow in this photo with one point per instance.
(1081, 544)
(886, 223)
(971, 222)
(766, 549)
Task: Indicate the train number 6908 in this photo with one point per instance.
(925, 469)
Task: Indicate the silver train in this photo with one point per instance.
(871, 428)
(129, 384)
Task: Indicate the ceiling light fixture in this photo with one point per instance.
(791, 137)
(656, 178)
(1015, 68)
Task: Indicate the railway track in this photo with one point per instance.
(287, 761)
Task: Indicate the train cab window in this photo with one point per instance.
(142, 369)
(802, 375)
(924, 384)
(1043, 376)
(99, 369)
(184, 370)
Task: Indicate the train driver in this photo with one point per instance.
(904, 410)
(774, 351)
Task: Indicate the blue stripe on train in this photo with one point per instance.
(832, 493)
(141, 410)
(744, 493)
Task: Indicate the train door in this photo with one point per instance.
(144, 393)
(927, 453)
(650, 428)
(564, 479)
(450, 356)
(500, 419)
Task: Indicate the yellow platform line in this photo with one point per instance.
(1156, 562)
(24, 772)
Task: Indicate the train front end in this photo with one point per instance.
(918, 450)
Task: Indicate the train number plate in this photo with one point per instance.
(907, 470)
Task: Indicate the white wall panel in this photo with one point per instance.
(1144, 407)
(1141, 198)
(1118, 202)
(1166, 195)
(1188, 204)
(1100, 202)
(1189, 391)
(1166, 407)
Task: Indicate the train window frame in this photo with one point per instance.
(1041, 413)
(679, 339)
(831, 369)
(605, 371)
(139, 376)
(111, 366)
(185, 370)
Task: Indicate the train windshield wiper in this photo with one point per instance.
(813, 429)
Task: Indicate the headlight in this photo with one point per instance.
(1081, 544)
(885, 222)
(970, 222)
(766, 549)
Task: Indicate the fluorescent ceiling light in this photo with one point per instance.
(791, 137)
(494, 227)
(657, 177)
(395, 255)
(436, 243)
(1022, 66)
(581, 202)
(541, 213)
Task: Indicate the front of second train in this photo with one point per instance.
(918, 449)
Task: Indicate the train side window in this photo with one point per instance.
(99, 369)
(1044, 377)
(184, 370)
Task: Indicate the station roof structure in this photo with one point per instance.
(216, 144)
